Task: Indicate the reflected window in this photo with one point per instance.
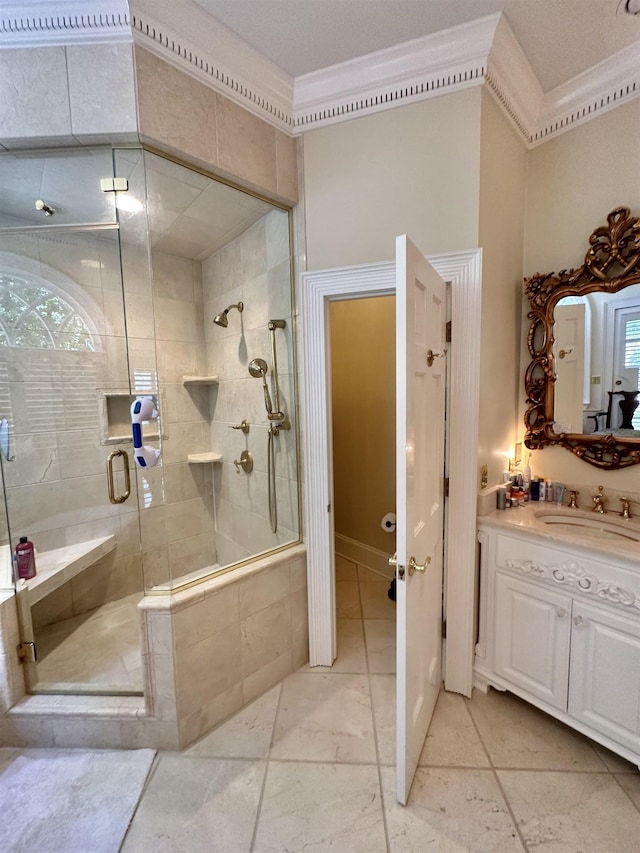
(34, 315)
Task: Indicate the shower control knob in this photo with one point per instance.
(243, 425)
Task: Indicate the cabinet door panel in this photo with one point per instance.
(531, 640)
(605, 673)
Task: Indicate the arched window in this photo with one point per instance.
(37, 313)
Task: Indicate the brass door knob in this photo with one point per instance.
(417, 567)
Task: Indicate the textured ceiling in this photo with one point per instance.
(561, 38)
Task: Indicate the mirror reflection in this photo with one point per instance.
(597, 363)
(582, 383)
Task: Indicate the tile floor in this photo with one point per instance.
(99, 649)
(309, 767)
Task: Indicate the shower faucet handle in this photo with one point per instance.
(243, 425)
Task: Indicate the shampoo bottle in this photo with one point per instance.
(25, 559)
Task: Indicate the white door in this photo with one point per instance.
(420, 407)
(569, 332)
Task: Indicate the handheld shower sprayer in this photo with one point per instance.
(258, 369)
(222, 319)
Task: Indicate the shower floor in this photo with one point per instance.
(98, 650)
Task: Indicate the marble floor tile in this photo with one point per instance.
(450, 810)
(351, 651)
(200, 805)
(515, 734)
(561, 812)
(346, 570)
(246, 735)
(365, 575)
(63, 797)
(383, 699)
(452, 739)
(630, 783)
(101, 647)
(380, 637)
(348, 600)
(376, 604)
(316, 807)
(324, 718)
(614, 763)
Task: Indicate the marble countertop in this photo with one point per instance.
(575, 527)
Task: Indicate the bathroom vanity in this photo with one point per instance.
(560, 617)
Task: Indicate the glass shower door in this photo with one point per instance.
(65, 394)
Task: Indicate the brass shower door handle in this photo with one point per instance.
(120, 499)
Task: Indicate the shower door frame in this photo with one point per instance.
(464, 271)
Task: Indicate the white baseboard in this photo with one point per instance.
(372, 558)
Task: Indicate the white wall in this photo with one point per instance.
(502, 192)
(412, 170)
(573, 182)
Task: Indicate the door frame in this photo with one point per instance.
(317, 289)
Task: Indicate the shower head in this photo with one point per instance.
(222, 319)
(258, 368)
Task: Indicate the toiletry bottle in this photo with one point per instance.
(542, 489)
(26, 559)
(526, 476)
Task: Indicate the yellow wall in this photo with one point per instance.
(363, 403)
(502, 192)
(573, 182)
(412, 170)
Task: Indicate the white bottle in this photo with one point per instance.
(526, 476)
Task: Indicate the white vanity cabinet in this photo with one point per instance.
(562, 630)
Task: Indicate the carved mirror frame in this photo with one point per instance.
(611, 264)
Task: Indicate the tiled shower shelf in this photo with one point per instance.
(55, 568)
(203, 458)
(200, 380)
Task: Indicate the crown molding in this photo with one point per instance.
(416, 70)
(512, 81)
(183, 34)
(591, 94)
(482, 51)
(33, 23)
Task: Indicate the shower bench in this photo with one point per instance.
(57, 567)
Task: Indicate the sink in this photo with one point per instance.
(592, 525)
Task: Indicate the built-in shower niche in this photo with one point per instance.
(114, 409)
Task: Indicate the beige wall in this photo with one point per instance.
(573, 182)
(412, 170)
(363, 407)
(502, 189)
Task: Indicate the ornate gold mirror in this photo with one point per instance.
(583, 381)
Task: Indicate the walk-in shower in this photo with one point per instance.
(105, 304)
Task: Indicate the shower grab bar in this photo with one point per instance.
(127, 477)
(277, 415)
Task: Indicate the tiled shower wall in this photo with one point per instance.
(254, 269)
(177, 526)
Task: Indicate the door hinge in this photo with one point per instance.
(443, 630)
(447, 332)
(445, 487)
(27, 652)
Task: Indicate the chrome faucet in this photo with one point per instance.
(626, 508)
(598, 501)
